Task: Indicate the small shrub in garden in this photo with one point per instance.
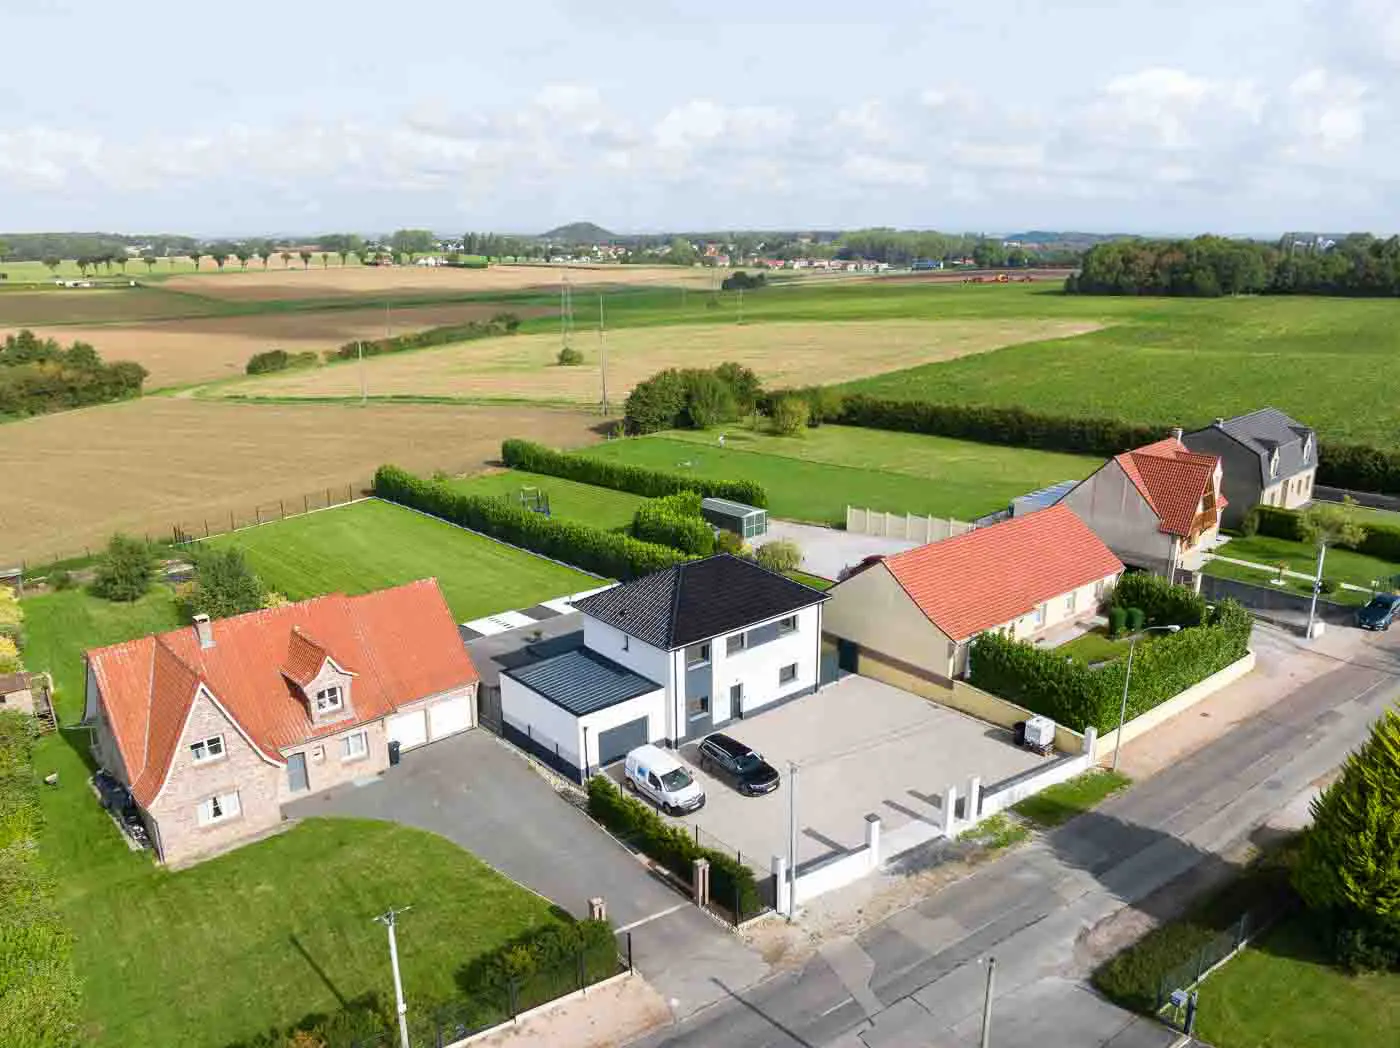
(1117, 620)
(790, 415)
(780, 555)
(1136, 619)
(1329, 586)
(1249, 526)
(732, 543)
(125, 571)
(61, 580)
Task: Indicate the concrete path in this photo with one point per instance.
(826, 551)
(920, 967)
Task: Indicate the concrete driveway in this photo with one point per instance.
(825, 551)
(862, 747)
(477, 791)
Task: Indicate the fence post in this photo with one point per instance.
(512, 997)
(305, 504)
(230, 520)
(283, 507)
(1240, 930)
(206, 527)
(328, 496)
(582, 978)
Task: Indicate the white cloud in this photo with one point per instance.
(883, 171)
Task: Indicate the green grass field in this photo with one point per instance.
(568, 500)
(262, 936)
(1343, 565)
(372, 544)
(1283, 992)
(816, 475)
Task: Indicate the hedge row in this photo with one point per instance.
(593, 549)
(39, 990)
(1162, 603)
(536, 458)
(731, 882)
(280, 360)
(675, 521)
(1355, 466)
(1381, 540)
(500, 324)
(1078, 697)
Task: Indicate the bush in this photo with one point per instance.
(780, 555)
(1162, 603)
(732, 543)
(742, 281)
(708, 401)
(540, 961)
(536, 458)
(500, 324)
(1277, 523)
(743, 385)
(593, 549)
(731, 882)
(9, 656)
(271, 360)
(790, 415)
(1072, 694)
(694, 398)
(569, 357)
(1136, 619)
(655, 403)
(1117, 620)
(1328, 585)
(224, 585)
(674, 520)
(39, 375)
(125, 572)
(1249, 526)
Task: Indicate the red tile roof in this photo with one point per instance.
(402, 644)
(992, 575)
(1172, 479)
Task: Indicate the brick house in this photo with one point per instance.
(214, 727)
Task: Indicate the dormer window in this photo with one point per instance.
(330, 700)
(1273, 463)
(1307, 448)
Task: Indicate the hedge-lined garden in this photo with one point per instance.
(593, 549)
(731, 882)
(39, 990)
(1073, 694)
(1381, 541)
(675, 521)
(536, 458)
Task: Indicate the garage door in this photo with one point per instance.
(450, 716)
(614, 743)
(409, 729)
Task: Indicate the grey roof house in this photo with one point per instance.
(1269, 459)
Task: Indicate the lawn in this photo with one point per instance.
(1344, 565)
(263, 936)
(1097, 646)
(568, 499)
(1301, 587)
(1282, 991)
(373, 544)
(1058, 804)
(816, 475)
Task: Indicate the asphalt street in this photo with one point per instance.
(918, 978)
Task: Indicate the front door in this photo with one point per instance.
(296, 773)
(848, 655)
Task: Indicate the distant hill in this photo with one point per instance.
(579, 233)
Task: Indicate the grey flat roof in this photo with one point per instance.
(581, 681)
(740, 509)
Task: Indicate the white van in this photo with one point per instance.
(659, 775)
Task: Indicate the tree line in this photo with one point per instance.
(39, 375)
(1209, 266)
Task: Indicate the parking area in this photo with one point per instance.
(827, 551)
(862, 747)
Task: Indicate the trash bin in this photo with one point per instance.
(394, 747)
(1018, 730)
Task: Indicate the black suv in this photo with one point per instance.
(730, 759)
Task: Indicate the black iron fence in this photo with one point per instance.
(1220, 947)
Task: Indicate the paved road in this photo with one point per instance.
(915, 980)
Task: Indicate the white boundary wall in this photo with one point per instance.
(918, 529)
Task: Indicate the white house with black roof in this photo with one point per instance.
(665, 659)
(1267, 459)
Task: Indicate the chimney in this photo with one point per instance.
(1220, 423)
(1176, 433)
(204, 630)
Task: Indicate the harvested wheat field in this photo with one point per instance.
(276, 284)
(145, 465)
(522, 367)
(201, 349)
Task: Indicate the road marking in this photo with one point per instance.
(653, 917)
(836, 1007)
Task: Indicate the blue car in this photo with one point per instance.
(1378, 614)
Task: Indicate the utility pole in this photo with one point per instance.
(603, 353)
(387, 335)
(741, 305)
(792, 840)
(987, 1005)
(1317, 587)
(364, 390)
(388, 919)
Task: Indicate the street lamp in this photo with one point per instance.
(389, 920)
(1128, 676)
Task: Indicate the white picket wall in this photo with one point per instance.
(909, 526)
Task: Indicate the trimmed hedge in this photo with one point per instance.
(39, 990)
(532, 969)
(593, 549)
(1072, 694)
(1162, 603)
(500, 324)
(1381, 540)
(675, 521)
(731, 882)
(536, 458)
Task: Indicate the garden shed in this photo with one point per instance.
(745, 521)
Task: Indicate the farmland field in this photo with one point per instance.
(145, 465)
(199, 349)
(373, 544)
(52, 305)
(522, 367)
(814, 477)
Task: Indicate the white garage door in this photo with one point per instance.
(450, 716)
(409, 729)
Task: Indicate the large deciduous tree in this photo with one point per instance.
(125, 571)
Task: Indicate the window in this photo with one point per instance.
(353, 747)
(1038, 616)
(1273, 464)
(697, 706)
(788, 673)
(218, 808)
(1307, 449)
(210, 749)
(697, 654)
(736, 643)
(1071, 600)
(787, 625)
(329, 700)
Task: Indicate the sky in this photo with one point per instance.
(305, 116)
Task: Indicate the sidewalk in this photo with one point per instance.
(614, 1014)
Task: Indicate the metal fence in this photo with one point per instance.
(728, 898)
(1218, 949)
(457, 1020)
